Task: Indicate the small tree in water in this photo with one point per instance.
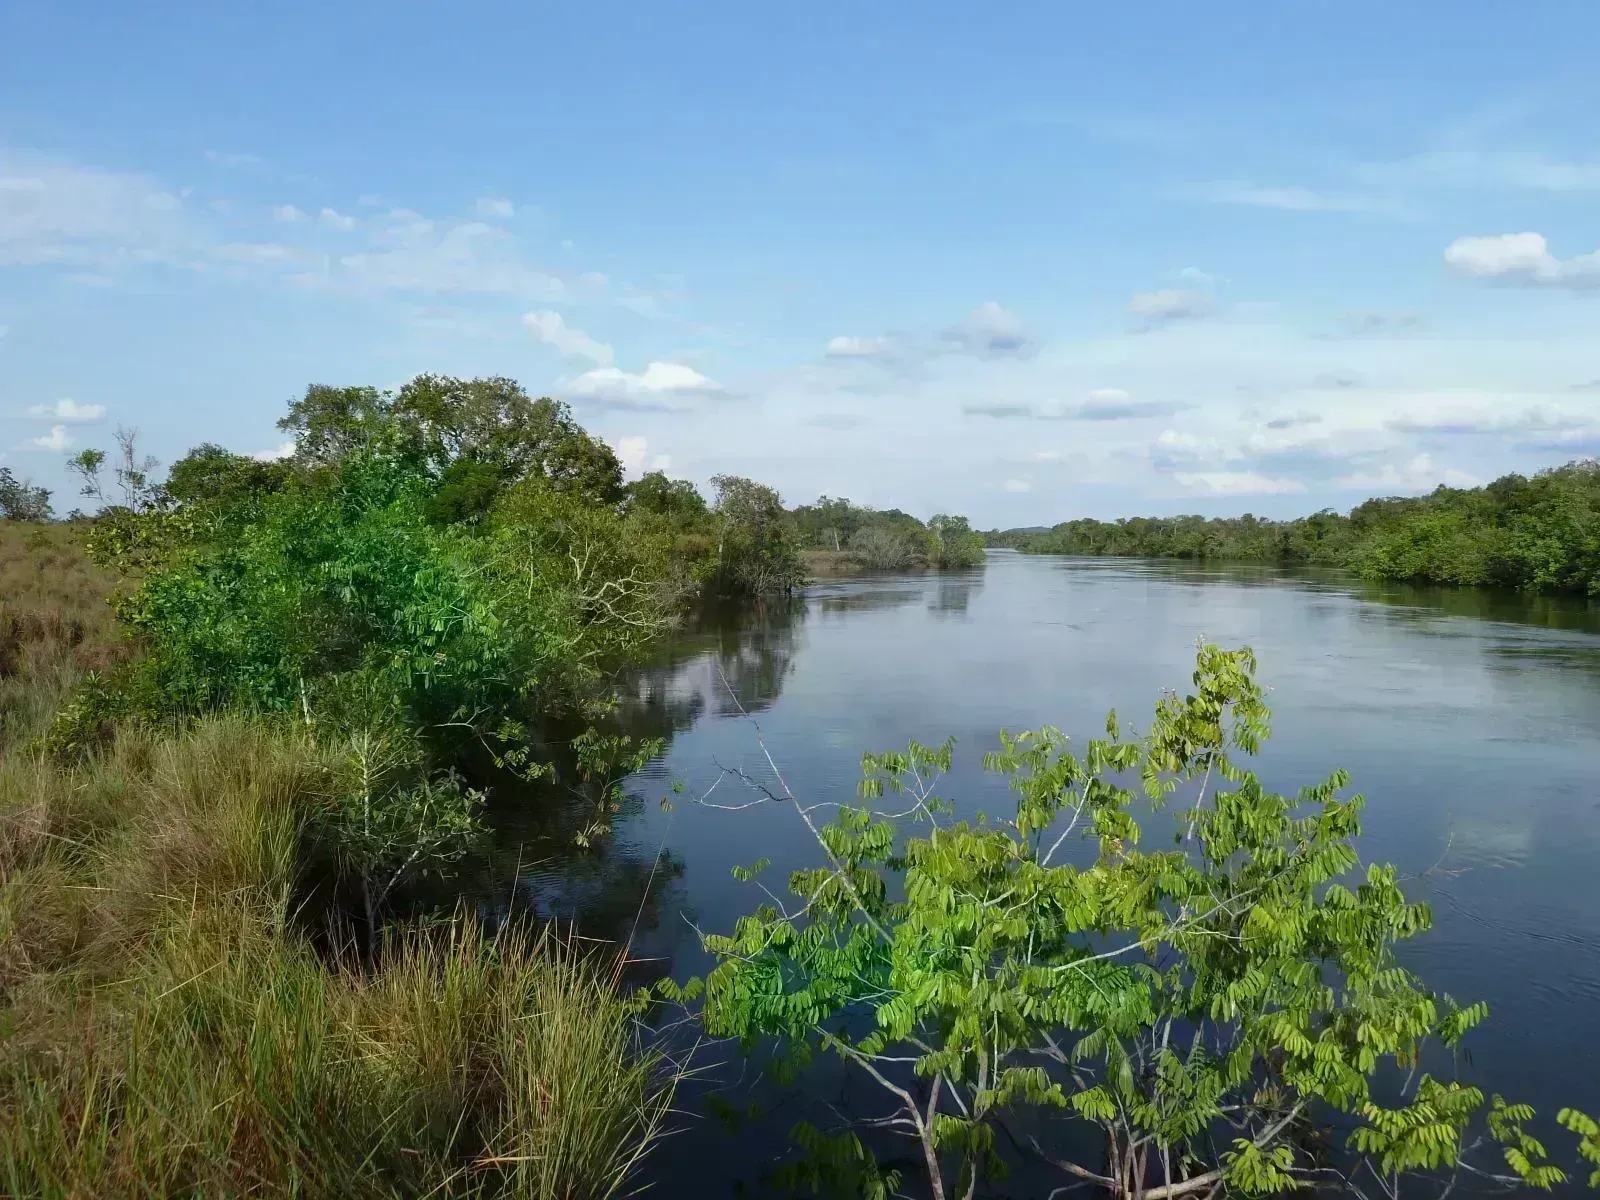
(1199, 1005)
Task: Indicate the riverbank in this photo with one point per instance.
(173, 1024)
(1531, 533)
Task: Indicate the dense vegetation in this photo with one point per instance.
(887, 539)
(1540, 533)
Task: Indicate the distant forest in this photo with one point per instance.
(1540, 533)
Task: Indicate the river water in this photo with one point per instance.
(1470, 720)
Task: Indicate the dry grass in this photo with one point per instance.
(827, 564)
(55, 623)
(166, 1030)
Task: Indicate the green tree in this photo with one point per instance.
(1197, 1004)
(676, 500)
(209, 473)
(20, 500)
(474, 437)
(953, 542)
(755, 550)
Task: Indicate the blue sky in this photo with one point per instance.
(1022, 261)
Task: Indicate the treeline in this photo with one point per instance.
(887, 539)
(1540, 533)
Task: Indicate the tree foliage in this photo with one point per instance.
(1540, 533)
(888, 539)
(756, 551)
(1199, 1005)
(20, 500)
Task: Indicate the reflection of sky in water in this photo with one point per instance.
(1471, 722)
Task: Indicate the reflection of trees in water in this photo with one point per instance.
(868, 598)
(1576, 613)
(754, 657)
(954, 593)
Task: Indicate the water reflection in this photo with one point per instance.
(866, 597)
(954, 593)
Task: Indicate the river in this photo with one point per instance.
(1470, 720)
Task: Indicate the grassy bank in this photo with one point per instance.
(166, 1026)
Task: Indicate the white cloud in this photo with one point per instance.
(631, 453)
(69, 412)
(57, 440)
(1045, 455)
(337, 220)
(54, 213)
(1521, 258)
(494, 206)
(1417, 475)
(287, 213)
(414, 254)
(1168, 304)
(1289, 199)
(282, 450)
(661, 387)
(1237, 483)
(1115, 404)
(858, 347)
(549, 327)
(990, 331)
(661, 462)
(1018, 486)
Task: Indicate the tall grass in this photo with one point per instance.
(167, 1030)
(55, 623)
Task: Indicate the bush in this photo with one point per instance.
(1200, 1006)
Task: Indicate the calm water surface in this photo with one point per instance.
(1471, 722)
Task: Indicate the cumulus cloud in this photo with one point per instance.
(1418, 474)
(280, 451)
(858, 347)
(1152, 310)
(287, 213)
(660, 387)
(337, 220)
(494, 206)
(1018, 486)
(990, 331)
(634, 454)
(631, 452)
(551, 328)
(1522, 258)
(57, 440)
(69, 412)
